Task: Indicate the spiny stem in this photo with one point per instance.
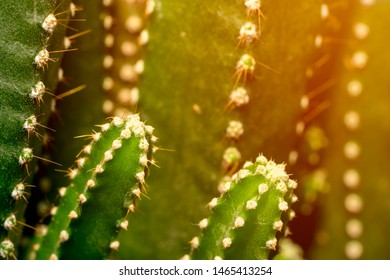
(245, 220)
(110, 176)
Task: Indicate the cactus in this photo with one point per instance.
(206, 126)
(110, 175)
(259, 194)
(220, 83)
(30, 42)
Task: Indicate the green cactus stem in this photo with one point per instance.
(31, 44)
(250, 216)
(109, 177)
(224, 85)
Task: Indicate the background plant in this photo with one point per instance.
(220, 83)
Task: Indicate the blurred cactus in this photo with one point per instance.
(221, 83)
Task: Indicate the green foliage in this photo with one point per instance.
(303, 83)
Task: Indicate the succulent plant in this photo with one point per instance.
(255, 205)
(247, 99)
